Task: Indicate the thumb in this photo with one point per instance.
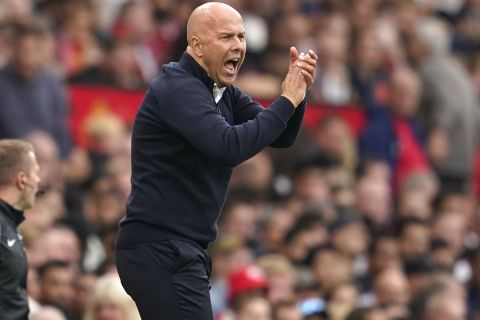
(293, 54)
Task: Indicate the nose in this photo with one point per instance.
(238, 43)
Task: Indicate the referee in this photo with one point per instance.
(18, 185)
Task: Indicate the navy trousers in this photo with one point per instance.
(168, 279)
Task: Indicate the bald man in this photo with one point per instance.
(192, 128)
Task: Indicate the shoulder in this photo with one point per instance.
(174, 84)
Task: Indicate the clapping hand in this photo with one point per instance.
(300, 76)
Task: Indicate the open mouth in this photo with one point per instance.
(231, 65)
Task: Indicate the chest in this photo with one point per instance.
(225, 109)
(12, 252)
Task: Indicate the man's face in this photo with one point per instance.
(28, 55)
(31, 181)
(224, 47)
(56, 287)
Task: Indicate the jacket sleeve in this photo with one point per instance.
(246, 109)
(189, 110)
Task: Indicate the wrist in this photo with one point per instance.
(292, 100)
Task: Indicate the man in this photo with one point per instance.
(32, 99)
(192, 128)
(18, 185)
(449, 103)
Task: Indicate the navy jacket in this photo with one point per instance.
(184, 147)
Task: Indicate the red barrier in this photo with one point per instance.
(90, 101)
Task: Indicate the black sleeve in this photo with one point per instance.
(188, 109)
(246, 109)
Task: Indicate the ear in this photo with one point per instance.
(196, 44)
(20, 180)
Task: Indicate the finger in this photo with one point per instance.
(308, 77)
(313, 54)
(311, 61)
(310, 68)
(293, 54)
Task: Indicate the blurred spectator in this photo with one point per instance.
(33, 288)
(106, 11)
(228, 255)
(441, 255)
(330, 267)
(444, 306)
(247, 284)
(384, 254)
(281, 277)
(56, 280)
(255, 173)
(333, 85)
(392, 134)
(412, 203)
(441, 298)
(414, 237)
(239, 219)
(367, 70)
(20, 10)
(308, 232)
(134, 25)
(334, 138)
(449, 108)
(374, 202)
(77, 45)
(341, 300)
(246, 280)
(119, 68)
(110, 301)
(251, 306)
(392, 292)
(450, 226)
(349, 235)
(47, 313)
(274, 226)
(56, 243)
(286, 310)
(31, 98)
(48, 155)
(83, 289)
(310, 183)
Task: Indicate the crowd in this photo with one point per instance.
(377, 224)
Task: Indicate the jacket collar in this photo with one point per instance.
(10, 212)
(188, 63)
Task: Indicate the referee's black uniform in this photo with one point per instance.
(13, 266)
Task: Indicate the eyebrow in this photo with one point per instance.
(230, 33)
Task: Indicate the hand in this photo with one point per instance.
(308, 64)
(300, 76)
